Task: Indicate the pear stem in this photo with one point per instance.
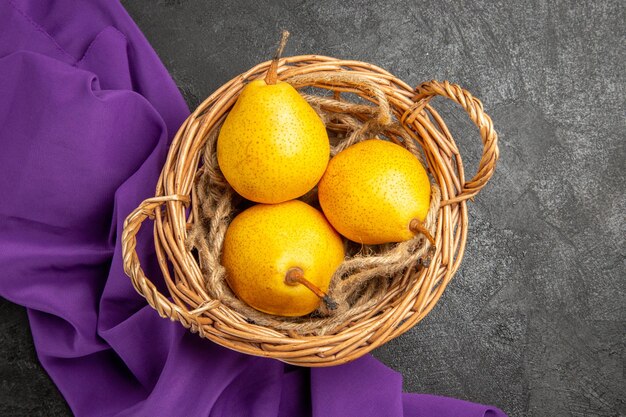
(417, 227)
(272, 72)
(296, 276)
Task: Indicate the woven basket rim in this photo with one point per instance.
(188, 303)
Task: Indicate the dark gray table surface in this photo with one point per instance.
(535, 320)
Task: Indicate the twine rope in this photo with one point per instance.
(362, 282)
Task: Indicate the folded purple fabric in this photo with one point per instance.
(87, 111)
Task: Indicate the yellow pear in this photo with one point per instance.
(279, 258)
(375, 192)
(273, 146)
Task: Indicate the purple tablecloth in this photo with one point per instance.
(87, 111)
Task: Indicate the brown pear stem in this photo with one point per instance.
(296, 276)
(417, 227)
(272, 72)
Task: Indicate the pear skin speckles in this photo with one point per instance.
(265, 241)
(272, 147)
(372, 190)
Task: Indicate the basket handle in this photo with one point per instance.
(426, 91)
(132, 267)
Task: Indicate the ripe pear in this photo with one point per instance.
(273, 146)
(279, 258)
(376, 192)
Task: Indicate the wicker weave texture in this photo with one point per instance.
(414, 292)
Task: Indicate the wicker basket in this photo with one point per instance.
(409, 299)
